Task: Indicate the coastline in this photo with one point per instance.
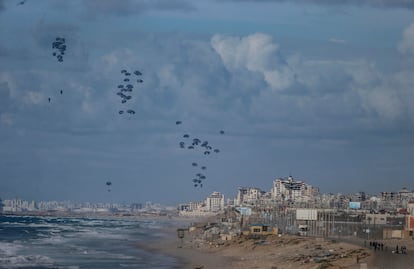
(183, 251)
(273, 252)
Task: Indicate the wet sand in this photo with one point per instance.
(389, 259)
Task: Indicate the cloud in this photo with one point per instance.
(386, 97)
(255, 53)
(335, 40)
(33, 97)
(6, 119)
(406, 45)
(409, 4)
(128, 7)
(6, 103)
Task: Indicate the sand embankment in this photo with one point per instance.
(280, 252)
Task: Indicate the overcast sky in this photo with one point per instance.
(321, 90)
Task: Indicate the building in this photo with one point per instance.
(215, 202)
(261, 229)
(292, 190)
(249, 196)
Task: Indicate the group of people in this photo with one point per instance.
(380, 247)
(377, 245)
(401, 250)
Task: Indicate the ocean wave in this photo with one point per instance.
(133, 265)
(25, 261)
(9, 249)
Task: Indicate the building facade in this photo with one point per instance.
(291, 190)
(215, 202)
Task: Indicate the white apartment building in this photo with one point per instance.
(215, 202)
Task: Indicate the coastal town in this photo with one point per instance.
(292, 225)
(293, 206)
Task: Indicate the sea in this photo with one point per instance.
(80, 243)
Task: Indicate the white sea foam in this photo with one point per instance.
(23, 261)
(102, 234)
(9, 249)
(133, 265)
(63, 243)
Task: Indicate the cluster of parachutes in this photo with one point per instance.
(59, 46)
(125, 89)
(205, 148)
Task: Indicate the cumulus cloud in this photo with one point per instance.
(374, 3)
(386, 97)
(406, 45)
(256, 53)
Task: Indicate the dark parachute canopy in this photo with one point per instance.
(21, 2)
(108, 184)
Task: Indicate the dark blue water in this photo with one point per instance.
(78, 243)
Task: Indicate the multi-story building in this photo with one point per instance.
(292, 190)
(248, 195)
(191, 206)
(215, 202)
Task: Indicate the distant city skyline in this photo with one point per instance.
(321, 90)
(283, 189)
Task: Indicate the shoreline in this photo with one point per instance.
(274, 252)
(280, 252)
(186, 255)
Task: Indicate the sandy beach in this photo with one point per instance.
(277, 252)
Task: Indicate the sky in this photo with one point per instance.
(320, 90)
